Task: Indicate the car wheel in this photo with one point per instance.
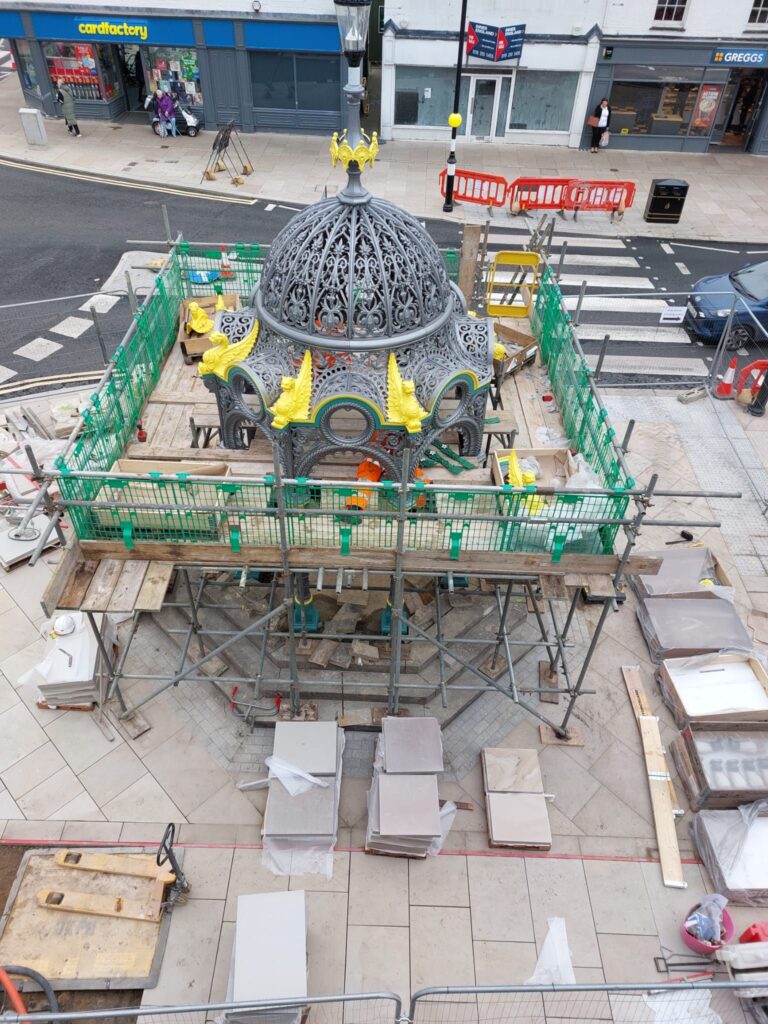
(741, 335)
(192, 132)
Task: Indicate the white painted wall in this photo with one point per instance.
(714, 19)
(561, 17)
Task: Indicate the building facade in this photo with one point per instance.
(228, 60)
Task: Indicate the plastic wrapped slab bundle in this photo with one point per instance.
(727, 686)
(722, 765)
(733, 846)
(680, 627)
(686, 572)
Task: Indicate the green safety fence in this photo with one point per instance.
(105, 505)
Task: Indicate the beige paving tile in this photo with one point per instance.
(145, 800)
(188, 772)
(19, 735)
(33, 769)
(144, 833)
(628, 958)
(26, 585)
(17, 664)
(208, 871)
(225, 835)
(619, 898)
(438, 881)
(188, 963)
(220, 981)
(378, 960)
(606, 815)
(6, 601)
(112, 774)
(49, 796)
(326, 942)
(227, 806)
(571, 784)
(441, 946)
(623, 771)
(338, 882)
(499, 899)
(378, 890)
(558, 888)
(9, 809)
(33, 830)
(670, 906)
(82, 808)
(504, 963)
(8, 695)
(79, 739)
(17, 632)
(248, 876)
(92, 831)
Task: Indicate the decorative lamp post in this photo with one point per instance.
(353, 17)
(454, 119)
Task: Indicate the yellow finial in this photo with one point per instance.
(403, 407)
(364, 152)
(292, 405)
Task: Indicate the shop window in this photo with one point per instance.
(174, 69)
(273, 80)
(501, 116)
(318, 83)
(26, 66)
(543, 100)
(655, 108)
(75, 63)
(759, 13)
(424, 96)
(670, 10)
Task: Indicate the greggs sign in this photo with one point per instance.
(168, 31)
(114, 29)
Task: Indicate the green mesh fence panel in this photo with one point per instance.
(451, 259)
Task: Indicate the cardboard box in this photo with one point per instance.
(554, 462)
(732, 687)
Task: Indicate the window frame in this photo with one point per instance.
(759, 7)
(257, 54)
(670, 22)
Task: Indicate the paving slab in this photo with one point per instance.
(499, 897)
(438, 882)
(378, 890)
(504, 963)
(326, 942)
(112, 774)
(441, 946)
(619, 898)
(558, 888)
(248, 876)
(378, 959)
(144, 800)
(33, 769)
(208, 870)
(628, 958)
(189, 960)
(186, 770)
(79, 739)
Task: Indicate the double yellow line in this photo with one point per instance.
(21, 165)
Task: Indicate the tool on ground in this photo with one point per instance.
(685, 537)
(180, 887)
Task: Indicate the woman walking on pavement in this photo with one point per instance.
(599, 122)
(67, 100)
(166, 113)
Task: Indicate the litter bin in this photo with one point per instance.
(666, 200)
(34, 126)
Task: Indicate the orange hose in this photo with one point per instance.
(12, 992)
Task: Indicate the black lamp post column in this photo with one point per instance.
(455, 119)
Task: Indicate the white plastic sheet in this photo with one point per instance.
(554, 966)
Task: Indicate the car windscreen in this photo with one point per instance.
(752, 281)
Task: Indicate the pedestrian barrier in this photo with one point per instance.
(525, 194)
(474, 187)
(539, 194)
(754, 371)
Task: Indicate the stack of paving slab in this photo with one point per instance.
(403, 802)
(308, 819)
(269, 957)
(514, 799)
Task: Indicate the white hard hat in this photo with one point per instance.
(64, 625)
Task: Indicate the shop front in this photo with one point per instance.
(684, 97)
(268, 74)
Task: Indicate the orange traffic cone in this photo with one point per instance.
(226, 270)
(724, 388)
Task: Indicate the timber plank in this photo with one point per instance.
(154, 587)
(127, 587)
(62, 574)
(77, 588)
(659, 782)
(103, 583)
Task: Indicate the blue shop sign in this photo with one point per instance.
(293, 36)
(489, 42)
(11, 26)
(93, 27)
(739, 57)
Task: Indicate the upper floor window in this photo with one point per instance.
(759, 13)
(670, 10)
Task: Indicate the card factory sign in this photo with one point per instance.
(114, 29)
(489, 42)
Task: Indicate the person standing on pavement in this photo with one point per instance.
(166, 113)
(67, 100)
(599, 122)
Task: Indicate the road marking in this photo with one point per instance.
(122, 183)
(6, 373)
(756, 252)
(496, 238)
(579, 260)
(627, 283)
(47, 382)
(72, 327)
(683, 269)
(101, 303)
(294, 209)
(708, 248)
(619, 304)
(38, 349)
(659, 367)
(655, 335)
(667, 249)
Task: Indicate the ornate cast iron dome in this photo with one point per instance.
(354, 272)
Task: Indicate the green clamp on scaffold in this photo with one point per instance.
(558, 544)
(126, 528)
(455, 544)
(234, 537)
(345, 536)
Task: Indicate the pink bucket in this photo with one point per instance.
(707, 948)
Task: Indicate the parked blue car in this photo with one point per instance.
(710, 303)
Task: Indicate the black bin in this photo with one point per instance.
(666, 200)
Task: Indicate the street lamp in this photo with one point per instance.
(455, 118)
(353, 17)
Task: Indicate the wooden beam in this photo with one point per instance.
(61, 577)
(154, 587)
(659, 781)
(470, 247)
(476, 563)
(78, 585)
(127, 587)
(103, 583)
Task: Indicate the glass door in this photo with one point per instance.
(482, 106)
